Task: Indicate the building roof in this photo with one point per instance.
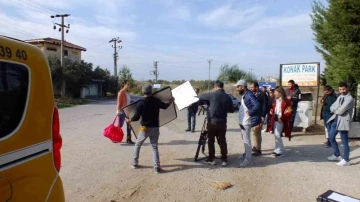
(55, 42)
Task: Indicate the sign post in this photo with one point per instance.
(304, 74)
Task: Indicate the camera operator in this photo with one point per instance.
(220, 105)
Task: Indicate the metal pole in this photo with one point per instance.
(62, 41)
(115, 59)
(63, 84)
(318, 92)
(209, 61)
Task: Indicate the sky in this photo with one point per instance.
(257, 35)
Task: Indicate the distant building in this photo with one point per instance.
(271, 79)
(51, 47)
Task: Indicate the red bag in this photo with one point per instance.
(114, 133)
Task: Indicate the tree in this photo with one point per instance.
(337, 33)
(250, 77)
(125, 74)
(230, 74)
(77, 76)
(57, 73)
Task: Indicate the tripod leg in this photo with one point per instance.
(202, 141)
(201, 144)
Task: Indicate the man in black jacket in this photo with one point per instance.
(191, 114)
(148, 109)
(220, 105)
(293, 93)
(262, 98)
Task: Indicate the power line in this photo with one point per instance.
(50, 9)
(34, 8)
(22, 32)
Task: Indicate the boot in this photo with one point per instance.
(128, 140)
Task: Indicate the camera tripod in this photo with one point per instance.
(203, 135)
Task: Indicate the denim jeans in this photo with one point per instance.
(121, 123)
(344, 139)
(153, 134)
(191, 114)
(327, 126)
(245, 134)
(279, 145)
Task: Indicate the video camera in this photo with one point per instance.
(204, 107)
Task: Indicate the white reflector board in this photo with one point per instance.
(165, 116)
(184, 95)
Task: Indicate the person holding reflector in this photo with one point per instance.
(148, 110)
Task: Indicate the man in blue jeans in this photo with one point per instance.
(340, 123)
(191, 114)
(328, 99)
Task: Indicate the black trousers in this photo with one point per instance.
(292, 118)
(217, 130)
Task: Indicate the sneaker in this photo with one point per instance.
(157, 170)
(343, 163)
(263, 131)
(279, 155)
(187, 130)
(210, 162)
(224, 163)
(273, 153)
(246, 163)
(334, 158)
(134, 166)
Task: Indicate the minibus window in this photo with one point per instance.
(14, 82)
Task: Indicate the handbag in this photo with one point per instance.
(114, 133)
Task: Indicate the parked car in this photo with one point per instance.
(236, 101)
(30, 139)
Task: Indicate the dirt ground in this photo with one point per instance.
(95, 169)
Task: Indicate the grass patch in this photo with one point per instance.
(64, 103)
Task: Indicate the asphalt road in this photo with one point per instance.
(95, 169)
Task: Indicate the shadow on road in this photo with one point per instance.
(294, 154)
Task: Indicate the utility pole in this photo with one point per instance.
(115, 40)
(209, 61)
(155, 71)
(114, 46)
(62, 29)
